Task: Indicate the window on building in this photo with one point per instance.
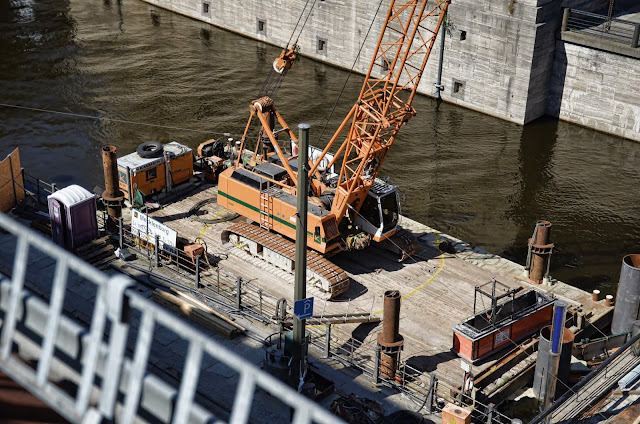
(463, 35)
(458, 88)
(205, 8)
(322, 46)
(262, 27)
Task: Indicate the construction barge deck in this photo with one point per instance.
(437, 289)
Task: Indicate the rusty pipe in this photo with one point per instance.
(112, 196)
(391, 316)
(541, 250)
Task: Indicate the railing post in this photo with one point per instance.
(157, 251)
(490, 413)
(53, 188)
(198, 272)
(239, 293)
(636, 36)
(327, 342)
(13, 180)
(431, 393)
(565, 18)
(120, 232)
(38, 190)
(218, 272)
(260, 296)
(376, 366)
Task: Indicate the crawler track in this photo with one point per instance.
(278, 251)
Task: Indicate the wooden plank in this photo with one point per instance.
(7, 193)
(206, 308)
(194, 314)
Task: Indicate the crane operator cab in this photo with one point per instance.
(380, 211)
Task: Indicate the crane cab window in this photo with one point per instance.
(389, 206)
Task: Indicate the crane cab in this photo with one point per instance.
(380, 211)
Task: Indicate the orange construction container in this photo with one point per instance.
(180, 162)
(477, 337)
(149, 175)
(453, 414)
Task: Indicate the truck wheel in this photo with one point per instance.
(150, 149)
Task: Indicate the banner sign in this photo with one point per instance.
(147, 228)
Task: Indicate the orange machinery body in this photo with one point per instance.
(477, 337)
(273, 208)
(149, 175)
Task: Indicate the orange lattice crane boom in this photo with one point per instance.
(384, 104)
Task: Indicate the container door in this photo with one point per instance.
(56, 213)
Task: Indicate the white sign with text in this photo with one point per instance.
(147, 228)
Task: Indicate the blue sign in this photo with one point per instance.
(303, 308)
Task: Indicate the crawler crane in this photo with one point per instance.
(349, 208)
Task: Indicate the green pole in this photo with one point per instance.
(300, 283)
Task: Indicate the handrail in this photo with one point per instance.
(97, 352)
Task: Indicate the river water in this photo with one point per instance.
(475, 177)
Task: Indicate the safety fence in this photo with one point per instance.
(104, 380)
(427, 390)
(200, 275)
(584, 395)
(617, 30)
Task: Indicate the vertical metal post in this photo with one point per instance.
(218, 269)
(636, 36)
(431, 393)
(327, 342)
(198, 272)
(260, 297)
(238, 293)
(38, 190)
(557, 333)
(120, 233)
(438, 84)
(300, 282)
(376, 366)
(565, 18)
(53, 188)
(157, 250)
(490, 413)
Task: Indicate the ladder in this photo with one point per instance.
(266, 208)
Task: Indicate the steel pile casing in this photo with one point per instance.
(543, 361)
(628, 296)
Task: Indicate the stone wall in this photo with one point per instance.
(501, 56)
(490, 48)
(596, 89)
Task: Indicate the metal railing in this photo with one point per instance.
(596, 384)
(107, 383)
(420, 387)
(200, 276)
(37, 188)
(616, 30)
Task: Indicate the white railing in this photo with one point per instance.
(108, 383)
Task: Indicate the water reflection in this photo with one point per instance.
(478, 178)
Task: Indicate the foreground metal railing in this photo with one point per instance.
(102, 379)
(422, 388)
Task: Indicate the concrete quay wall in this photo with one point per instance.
(596, 89)
(501, 57)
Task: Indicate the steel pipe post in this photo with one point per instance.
(300, 282)
(120, 233)
(636, 36)
(376, 366)
(390, 341)
(156, 251)
(239, 294)
(198, 272)
(327, 342)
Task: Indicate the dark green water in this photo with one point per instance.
(475, 177)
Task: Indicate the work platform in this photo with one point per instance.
(437, 288)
